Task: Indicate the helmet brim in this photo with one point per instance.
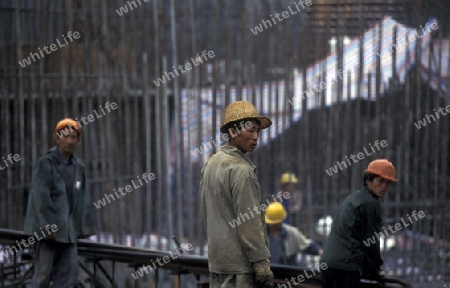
(384, 177)
(264, 122)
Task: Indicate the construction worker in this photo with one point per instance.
(293, 203)
(359, 217)
(285, 241)
(238, 255)
(59, 196)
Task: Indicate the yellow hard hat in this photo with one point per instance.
(275, 213)
(288, 178)
(240, 110)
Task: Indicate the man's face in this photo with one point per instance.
(274, 228)
(378, 186)
(67, 143)
(245, 137)
(290, 187)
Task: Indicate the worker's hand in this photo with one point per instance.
(375, 275)
(263, 274)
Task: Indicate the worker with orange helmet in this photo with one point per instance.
(347, 252)
(286, 241)
(59, 201)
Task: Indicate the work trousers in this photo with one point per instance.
(231, 281)
(57, 261)
(336, 278)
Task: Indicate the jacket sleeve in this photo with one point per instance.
(372, 255)
(247, 201)
(302, 241)
(313, 249)
(305, 245)
(40, 188)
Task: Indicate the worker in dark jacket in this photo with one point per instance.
(238, 256)
(58, 197)
(286, 241)
(358, 219)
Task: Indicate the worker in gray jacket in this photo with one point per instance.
(58, 197)
(238, 255)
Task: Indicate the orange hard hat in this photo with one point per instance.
(382, 168)
(67, 123)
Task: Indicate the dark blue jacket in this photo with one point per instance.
(49, 203)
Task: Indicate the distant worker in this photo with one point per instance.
(58, 196)
(293, 203)
(358, 219)
(238, 255)
(286, 241)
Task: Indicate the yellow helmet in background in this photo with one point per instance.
(288, 178)
(275, 213)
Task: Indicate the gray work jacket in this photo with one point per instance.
(235, 229)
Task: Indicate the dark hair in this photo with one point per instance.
(236, 123)
(369, 177)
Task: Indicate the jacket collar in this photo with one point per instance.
(56, 154)
(233, 151)
(283, 231)
(370, 192)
